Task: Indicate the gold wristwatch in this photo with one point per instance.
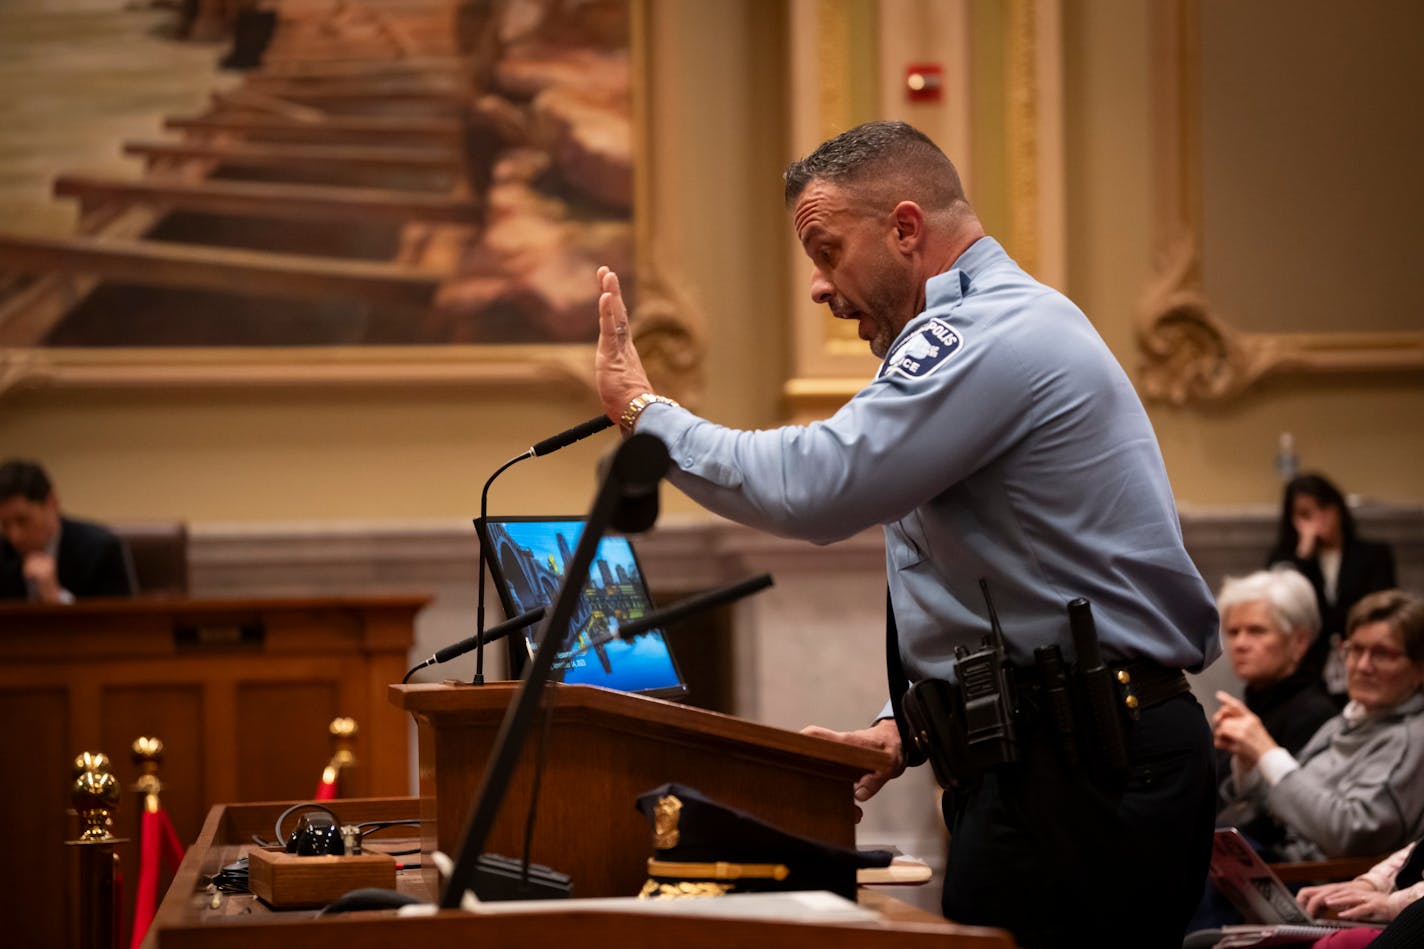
(629, 418)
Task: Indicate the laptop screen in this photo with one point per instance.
(527, 557)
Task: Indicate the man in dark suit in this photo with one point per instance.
(47, 557)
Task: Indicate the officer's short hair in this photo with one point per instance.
(1401, 610)
(1288, 595)
(26, 479)
(880, 152)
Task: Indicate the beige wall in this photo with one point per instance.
(717, 110)
(1363, 431)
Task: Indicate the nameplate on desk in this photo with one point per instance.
(218, 633)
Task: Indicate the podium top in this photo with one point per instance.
(451, 703)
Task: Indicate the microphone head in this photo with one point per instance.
(565, 438)
(639, 466)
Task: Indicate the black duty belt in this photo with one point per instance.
(1145, 684)
(1140, 684)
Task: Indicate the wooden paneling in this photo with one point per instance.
(283, 731)
(241, 718)
(34, 796)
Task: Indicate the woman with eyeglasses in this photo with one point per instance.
(1357, 787)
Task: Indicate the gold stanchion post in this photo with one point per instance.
(95, 796)
(148, 756)
(343, 757)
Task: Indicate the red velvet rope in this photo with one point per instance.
(158, 843)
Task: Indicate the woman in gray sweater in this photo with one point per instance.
(1357, 787)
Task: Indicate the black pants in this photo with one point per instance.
(1057, 859)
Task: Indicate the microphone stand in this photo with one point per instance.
(551, 444)
(482, 533)
(638, 466)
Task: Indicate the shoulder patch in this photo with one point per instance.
(924, 352)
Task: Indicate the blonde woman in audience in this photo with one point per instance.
(1357, 787)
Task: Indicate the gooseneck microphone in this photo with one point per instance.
(576, 434)
(537, 450)
(490, 635)
(692, 605)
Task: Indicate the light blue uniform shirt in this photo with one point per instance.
(1000, 439)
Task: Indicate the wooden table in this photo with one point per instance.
(189, 918)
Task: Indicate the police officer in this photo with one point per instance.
(1000, 439)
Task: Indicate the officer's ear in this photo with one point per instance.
(909, 221)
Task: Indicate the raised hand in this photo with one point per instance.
(617, 369)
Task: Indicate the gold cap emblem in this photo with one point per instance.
(665, 817)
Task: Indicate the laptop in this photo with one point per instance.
(527, 557)
(1263, 901)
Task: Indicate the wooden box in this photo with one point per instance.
(286, 880)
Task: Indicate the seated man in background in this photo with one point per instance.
(1357, 787)
(1268, 621)
(49, 558)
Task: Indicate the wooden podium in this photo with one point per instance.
(606, 748)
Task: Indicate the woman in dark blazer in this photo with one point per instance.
(1317, 536)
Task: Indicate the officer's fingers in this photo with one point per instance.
(611, 295)
(870, 784)
(816, 731)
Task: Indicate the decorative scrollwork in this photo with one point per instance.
(1191, 355)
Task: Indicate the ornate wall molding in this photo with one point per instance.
(1191, 353)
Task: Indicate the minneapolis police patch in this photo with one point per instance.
(924, 352)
